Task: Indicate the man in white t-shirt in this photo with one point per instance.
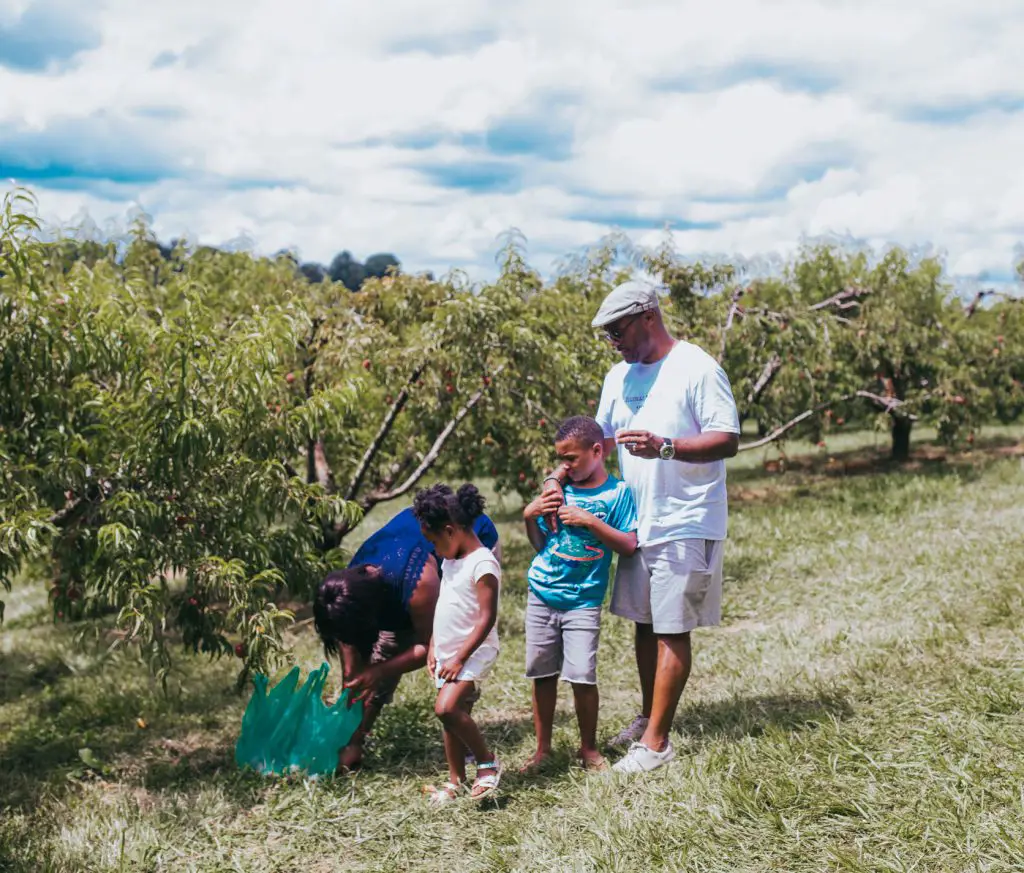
(669, 409)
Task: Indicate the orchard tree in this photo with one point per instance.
(780, 339)
(147, 451)
(834, 338)
(455, 381)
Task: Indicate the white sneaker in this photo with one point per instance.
(628, 736)
(640, 759)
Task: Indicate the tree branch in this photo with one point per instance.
(733, 308)
(382, 433)
(771, 367)
(308, 380)
(890, 404)
(846, 299)
(531, 405)
(322, 469)
(981, 295)
(435, 450)
(63, 517)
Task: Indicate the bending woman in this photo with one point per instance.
(378, 614)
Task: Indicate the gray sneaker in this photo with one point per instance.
(627, 736)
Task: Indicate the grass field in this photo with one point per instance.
(859, 709)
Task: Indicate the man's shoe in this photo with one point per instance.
(640, 759)
(629, 735)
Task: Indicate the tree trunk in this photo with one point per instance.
(901, 426)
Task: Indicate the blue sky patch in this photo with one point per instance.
(959, 112)
(633, 221)
(788, 77)
(781, 180)
(82, 151)
(161, 113)
(476, 176)
(543, 137)
(165, 59)
(441, 44)
(47, 33)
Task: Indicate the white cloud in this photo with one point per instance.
(363, 126)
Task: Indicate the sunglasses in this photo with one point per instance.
(617, 333)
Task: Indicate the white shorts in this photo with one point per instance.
(476, 667)
(674, 586)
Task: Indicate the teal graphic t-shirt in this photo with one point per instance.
(573, 568)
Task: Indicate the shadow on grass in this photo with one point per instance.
(926, 459)
(408, 737)
(742, 569)
(40, 751)
(21, 676)
(752, 716)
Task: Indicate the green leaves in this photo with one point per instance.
(147, 436)
(113, 540)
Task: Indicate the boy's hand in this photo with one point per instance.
(555, 487)
(574, 516)
(450, 669)
(546, 504)
(431, 662)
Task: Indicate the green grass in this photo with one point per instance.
(859, 709)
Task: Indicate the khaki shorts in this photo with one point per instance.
(674, 586)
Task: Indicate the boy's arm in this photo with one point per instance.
(535, 535)
(546, 504)
(622, 542)
(554, 486)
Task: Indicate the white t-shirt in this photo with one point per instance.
(458, 609)
(684, 394)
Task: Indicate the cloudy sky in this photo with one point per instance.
(429, 129)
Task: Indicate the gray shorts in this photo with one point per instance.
(562, 641)
(674, 586)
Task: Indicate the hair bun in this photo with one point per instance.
(471, 501)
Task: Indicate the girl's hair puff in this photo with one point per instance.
(438, 506)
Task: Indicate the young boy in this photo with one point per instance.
(568, 579)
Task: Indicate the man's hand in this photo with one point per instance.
(431, 661)
(450, 669)
(574, 516)
(640, 443)
(362, 685)
(546, 504)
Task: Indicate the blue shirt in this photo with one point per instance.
(572, 569)
(401, 551)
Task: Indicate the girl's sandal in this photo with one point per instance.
(448, 792)
(486, 786)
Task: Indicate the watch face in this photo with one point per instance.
(668, 450)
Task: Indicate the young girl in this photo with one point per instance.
(464, 644)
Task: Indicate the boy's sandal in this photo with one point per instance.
(448, 792)
(486, 786)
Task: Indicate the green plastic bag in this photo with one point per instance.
(289, 728)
